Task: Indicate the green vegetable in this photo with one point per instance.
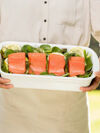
(35, 50)
(46, 73)
(88, 64)
(56, 49)
(4, 67)
(40, 50)
(66, 75)
(85, 54)
(69, 54)
(27, 49)
(67, 57)
(7, 52)
(47, 63)
(86, 75)
(64, 50)
(88, 61)
(9, 49)
(52, 74)
(27, 65)
(46, 48)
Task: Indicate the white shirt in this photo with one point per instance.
(67, 21)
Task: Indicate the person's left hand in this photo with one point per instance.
(95, 83)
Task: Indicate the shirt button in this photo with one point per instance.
(45, 2)
(45, 20)
(44, 38)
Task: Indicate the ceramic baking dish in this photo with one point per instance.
(50, 82)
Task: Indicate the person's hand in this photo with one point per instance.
(4, 83)
(95, 83)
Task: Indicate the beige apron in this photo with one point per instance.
(67, 22)
(35, 111)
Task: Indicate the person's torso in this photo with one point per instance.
(38, 111)
(58, 21)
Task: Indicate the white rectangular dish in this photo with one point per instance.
(50, 82)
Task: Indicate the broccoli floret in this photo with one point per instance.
(27, 49)
(46, 48)
(7, 52)
(56, 49)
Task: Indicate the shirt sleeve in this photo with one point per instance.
(95, 18)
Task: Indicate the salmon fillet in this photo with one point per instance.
(37, 63)
(56, 64)
(16, 63)
(77, 58)
(76, 66)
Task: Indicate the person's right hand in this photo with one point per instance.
(4, 83)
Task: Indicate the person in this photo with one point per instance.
(47, 21)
